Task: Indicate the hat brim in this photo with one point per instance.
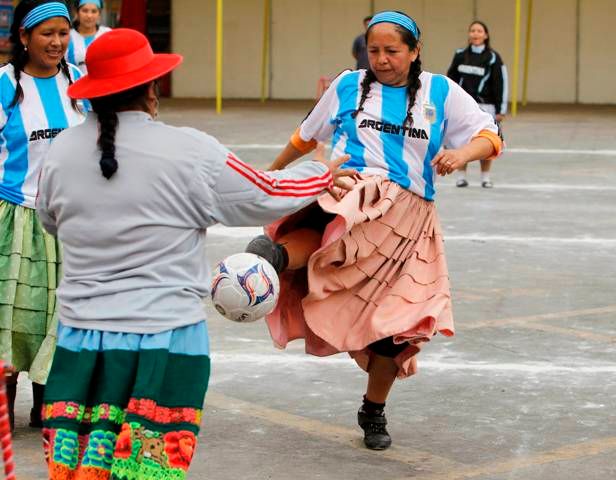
(88, 87)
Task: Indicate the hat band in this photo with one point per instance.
(118, 66)
(98, 3)
(44, 12)
(398, 19)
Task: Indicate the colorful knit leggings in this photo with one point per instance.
(125, 406)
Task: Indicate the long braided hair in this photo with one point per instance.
(107, 108)
(413, 83)
(19, 55)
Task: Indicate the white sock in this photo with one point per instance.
(460, 174)
(485, 177)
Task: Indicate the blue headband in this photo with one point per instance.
(398, 19)
(98, 3)
(44, 12)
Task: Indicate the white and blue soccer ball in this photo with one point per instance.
(245, 287)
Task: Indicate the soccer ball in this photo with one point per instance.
(245, 287)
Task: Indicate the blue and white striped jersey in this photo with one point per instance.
(377, 141)
(78, 45)
(27, 129)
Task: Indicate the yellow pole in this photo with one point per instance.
(265, 53)
(219, 56)
(516, 59)
(529, 25)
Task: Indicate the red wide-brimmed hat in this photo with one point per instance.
(120, 60)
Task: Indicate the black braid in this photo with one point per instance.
(107, 108)
(365, 90)
(19, 55)
(412, 87)
(108, 121)
(19, 58)
(67, 73)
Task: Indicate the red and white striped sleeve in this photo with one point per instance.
(242, 195)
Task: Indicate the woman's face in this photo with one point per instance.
(46, 43)
(88, 16)
(477, 35)
(390, 58)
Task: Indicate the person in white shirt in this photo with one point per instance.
(34, 109)
(367, 275)
(86, 29)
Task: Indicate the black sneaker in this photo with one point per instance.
(487, 184)
(273, 252)
(462, 182)
(376, 436)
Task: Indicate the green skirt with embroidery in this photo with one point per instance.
(29, 274)
(125, 406)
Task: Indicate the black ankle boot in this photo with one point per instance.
(373, 423)
(273, 252)
(38, 391)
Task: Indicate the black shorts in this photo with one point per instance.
(314, 218)
(387, 348)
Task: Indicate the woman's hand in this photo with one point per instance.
(334, 166)
(499, 117)
(447, 161)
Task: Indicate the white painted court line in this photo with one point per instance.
(547, 187)
(328, 430)
(521, 150)
(287, 359)
(506, 468)
(255, 146)
(611, 242)
(249, 232)
(562, 151)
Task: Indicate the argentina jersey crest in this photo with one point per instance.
(429, 112)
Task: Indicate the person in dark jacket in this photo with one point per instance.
(479, 70)
(360, 53)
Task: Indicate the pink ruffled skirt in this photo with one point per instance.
(380, 272)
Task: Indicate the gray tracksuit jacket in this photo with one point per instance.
(134, 245)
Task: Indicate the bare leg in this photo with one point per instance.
(461, 177)
(485, 173)
(485, 165)
(300, 244)
(382, 373)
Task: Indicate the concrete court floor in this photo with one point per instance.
(527, 387)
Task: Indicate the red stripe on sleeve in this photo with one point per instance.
(307, 187)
